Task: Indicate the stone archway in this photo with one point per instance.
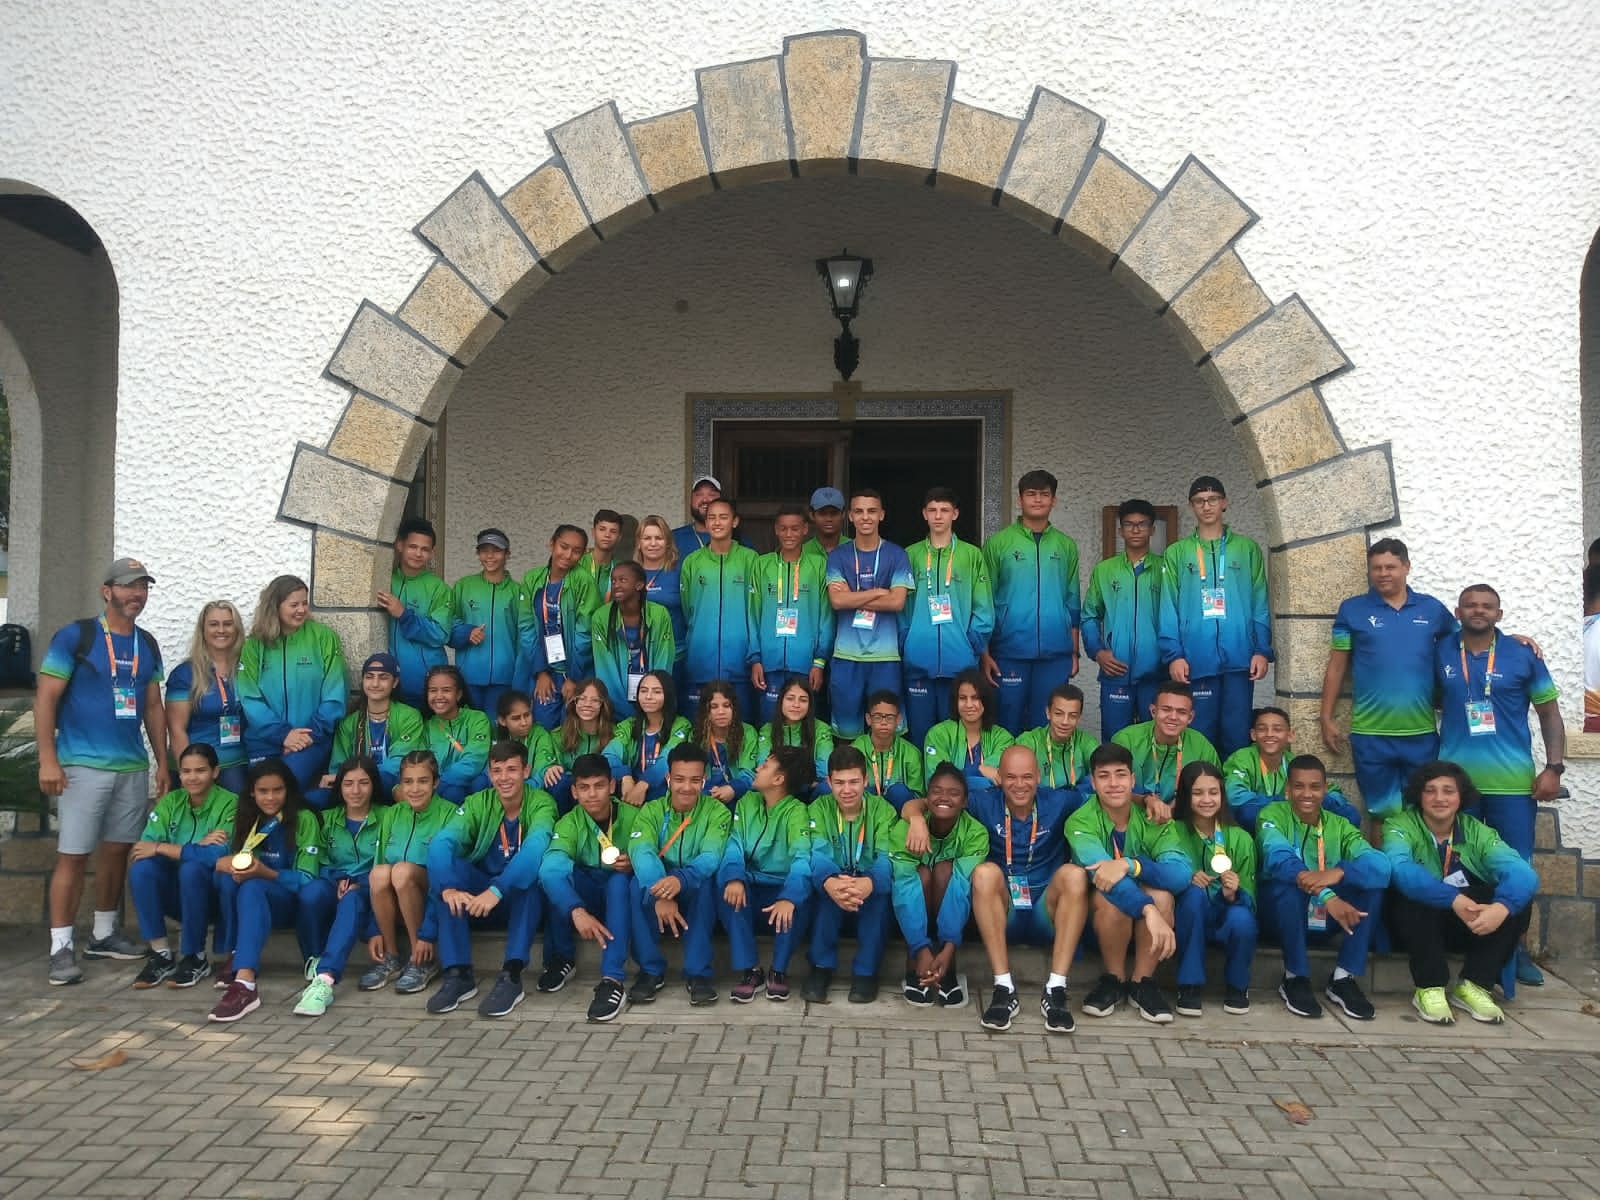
(825, 106)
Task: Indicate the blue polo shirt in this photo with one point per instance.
(89, 730)
(1500, 763)
(1391, 660)
(1035, 855)
(860, 570)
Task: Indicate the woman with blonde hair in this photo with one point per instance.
(658, 555)
(291, 682)
(203, 704)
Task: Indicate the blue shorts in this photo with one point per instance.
(1031, 926)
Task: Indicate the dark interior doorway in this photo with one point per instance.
(767, 464)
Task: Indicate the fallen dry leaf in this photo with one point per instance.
(1590, 1008)
(104, 1063)
(1295, 1111)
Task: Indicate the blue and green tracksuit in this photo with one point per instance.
(387, 741)
(298, 682)
(1251, 787)
(251, 910)
(342, 921)
(461, 746)
(944, 626)
(1156, 767)
(896, 774)
(635, 753)
(793, 620)
(1215, 616)
(572, 876)
(1062, 764)
(483, 848)
(1095, 839)
(1122, 614)
(859, 846)
(689, 846)
(623, 652)
(717, 604)
(866, 643)
(769, 851)
(1392, 725)
(947, 743)
(1286, 846)
(1203, 916)
(418, 636)
(1036, 613)
(793, 734)
(599, 572)
(510, 636)
(730, 768)
(162, 887)
(562, 608)
(963, 847)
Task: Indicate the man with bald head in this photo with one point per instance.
(1026, 891)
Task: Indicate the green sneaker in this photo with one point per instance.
(315, 999)
(311, 967)
(1433, 1006)
(1477, 1002)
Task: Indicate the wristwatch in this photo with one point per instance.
(1559, 768)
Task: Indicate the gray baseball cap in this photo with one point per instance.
(127, 571)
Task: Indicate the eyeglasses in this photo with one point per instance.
(883, 716)
(1136, 526)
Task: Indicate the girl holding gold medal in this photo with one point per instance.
(1208, 863)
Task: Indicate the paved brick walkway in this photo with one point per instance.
(775, 1101)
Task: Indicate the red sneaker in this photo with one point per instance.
(224, 976)
(236, 1002)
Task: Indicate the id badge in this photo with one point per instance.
(939, 609)
(230, 729)
(1316, 917)
(633, 685)
(125, 703)
(1213, 603)
(865, 618)
(788, 622)
(555, 649)
(1456, 879)
(1480, 717)
(1021, 896)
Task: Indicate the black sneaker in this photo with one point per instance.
(159, 966)
(555, 975)
(1298, 997)
(951, 993)
(1107, 994)
(645, 988)
(701, 992)
(1149, 1001)
(1057, 1011)
(1002, 1007)
(863, 989)
(751, 984)
(504, 996)
(1236, 1001)
(458, 984)
(1189, 1001)
(609, 1000)
(916, 995)
(815, 988)
(192, 968)
(1347, 994)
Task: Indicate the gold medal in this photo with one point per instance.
(246, 858)
(243, 860)
(1220, 863)
(609, 856)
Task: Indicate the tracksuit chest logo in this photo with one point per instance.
(303, 661)
(1375, 621)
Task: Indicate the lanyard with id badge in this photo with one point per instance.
(230, 727)
(1316, 910)
(866, 618)
(124, 699)
(635, 658)
(939, 610)
(1214, 600)
(787, 620)
(1021, 893)
(1480, 713)
(1458, 877)
(555, 646)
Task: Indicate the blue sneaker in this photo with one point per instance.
(1528, 971)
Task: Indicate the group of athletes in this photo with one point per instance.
(801, 743)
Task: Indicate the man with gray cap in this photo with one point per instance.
(827, 522)
(692, 535)
(99, 687)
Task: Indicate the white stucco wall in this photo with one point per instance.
(1425, 175)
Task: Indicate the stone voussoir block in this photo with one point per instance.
(476, 235)
(1194, 219)
(347, 572)
(384, 358)
(1284, 351)
(822, 74)
(600, 162)
(362, 632)
(380, 438)
(1300, 648)
(902, 117)
(446, 310)
(1052, 148)
(747, 126)
(1290, 435)
(672, 155)
(1305, 722)
(1219, 302)
(1350, 492)
(973, 153)
(1110, 203)
(546, 205)
(332, 494)
(1315, 578)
